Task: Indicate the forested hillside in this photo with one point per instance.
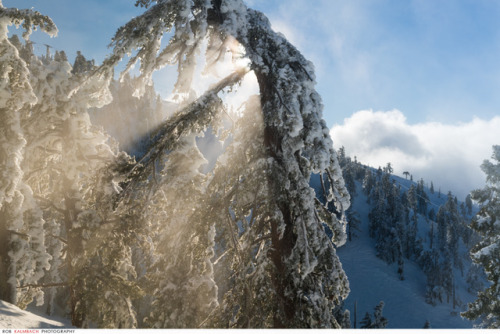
(408, 246)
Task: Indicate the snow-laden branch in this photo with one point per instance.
(27, 19)
(195, 117)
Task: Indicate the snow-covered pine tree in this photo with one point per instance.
(353, 224)
(307, 278)
(439, 262)
(368, 182)
(68, 162)
(387, 222)
(468, 204)
(422, 198)
(378, 321)
(23, 256)
(486, 253)
(44, 170)
(412, 198)
(433, 270)
(450, 228)
(343, 316)
(81, 64)
(367, 321)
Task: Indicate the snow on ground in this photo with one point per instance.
(372, 280)
(13, 317)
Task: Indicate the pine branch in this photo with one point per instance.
(49, 285)
(339, 203)
(58, 238)
(49, 203)
(170, 131)
(295, 64)
(30, 174)
(281, 100)
(324, 189)
(24, 235)
(264, 237)
(222, 255)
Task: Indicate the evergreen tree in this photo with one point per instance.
(463, 211)
(81, 64)
(346, 320)
(412, 197)
(388, 168)
(69, 170)
(378, 321)
(468, 204)
(368, 182)
(431, 267)
(353, 223)
(487, 252)
(449, 230)
(387, 223)
(241, 246)
(343, 316)
(23, 255)
(60, 56)
(440, 278)
(422, 198)
(349, 174)
(432, 214)
(275, 235)
(366, 322)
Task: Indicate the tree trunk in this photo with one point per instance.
(281, 248)
(4, 260)
(73, 248)
(283, 241)
(7, 290)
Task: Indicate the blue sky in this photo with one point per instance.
(435, 60)
(437, 63)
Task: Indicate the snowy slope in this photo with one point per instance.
(13, 317)
(372, 280)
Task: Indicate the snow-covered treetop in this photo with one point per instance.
(14, 86)
(292, 108)
(492, 170)
(27, 19)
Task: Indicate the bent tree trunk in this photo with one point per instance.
(293, 134)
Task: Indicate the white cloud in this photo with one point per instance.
(448, 155)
